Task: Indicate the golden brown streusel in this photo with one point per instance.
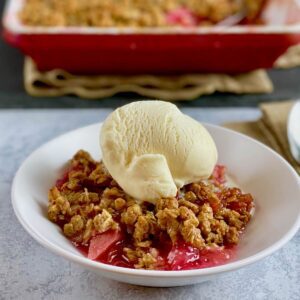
(130, 13)
(142, 259)
(104, 221)
(87, 202)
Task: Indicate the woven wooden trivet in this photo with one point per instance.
(186, 87)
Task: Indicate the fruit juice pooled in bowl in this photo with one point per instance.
(157, 200)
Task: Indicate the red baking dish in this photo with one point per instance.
(86, 50)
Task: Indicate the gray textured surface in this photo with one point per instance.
(29, 271)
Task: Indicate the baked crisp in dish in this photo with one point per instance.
(135, 13)
(198, 228)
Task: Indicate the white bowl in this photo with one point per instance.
(257, 169)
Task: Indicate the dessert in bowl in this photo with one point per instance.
(157, 201)
(129, 235)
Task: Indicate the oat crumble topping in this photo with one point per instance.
(133, 13)
(87, 202)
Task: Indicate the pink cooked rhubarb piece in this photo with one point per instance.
(181, 16)
(102, 242)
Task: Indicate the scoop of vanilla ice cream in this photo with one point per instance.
(150, 148)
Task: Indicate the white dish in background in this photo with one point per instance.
(256, 168)
(293, 130)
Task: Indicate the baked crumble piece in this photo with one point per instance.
(87, 203)
(134, 13)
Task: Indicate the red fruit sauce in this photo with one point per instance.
(180, 256)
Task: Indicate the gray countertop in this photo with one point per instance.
(29, 271)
